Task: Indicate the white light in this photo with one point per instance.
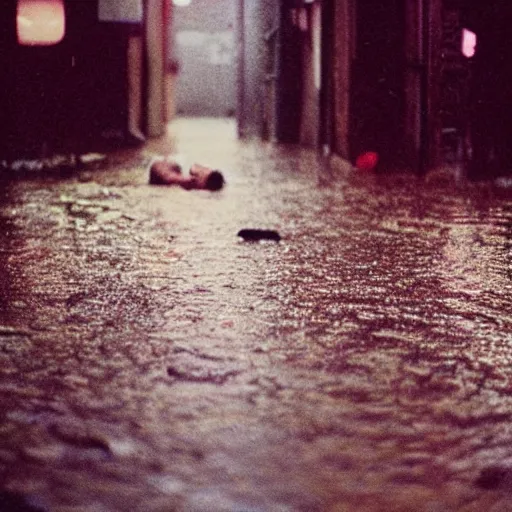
(40, 22)
(181, 3)
(468, 43)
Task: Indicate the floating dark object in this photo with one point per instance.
(495, 477)
(15, 502)
(254, 235)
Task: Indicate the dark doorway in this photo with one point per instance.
(490, 94)
(290, 73)
(454, 88)
(377, 102)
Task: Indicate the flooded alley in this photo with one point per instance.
(152, 361)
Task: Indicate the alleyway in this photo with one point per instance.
(152, 362)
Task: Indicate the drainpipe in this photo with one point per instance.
(280, 44)
(241, 115)
(326, 92)
(155, 67)
(424, 84)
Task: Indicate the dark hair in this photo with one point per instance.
(215, 181)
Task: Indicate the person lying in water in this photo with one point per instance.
(163, 172)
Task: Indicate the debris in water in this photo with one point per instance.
(89, 158)
(255, 235)
(495, 477)
(17, 501)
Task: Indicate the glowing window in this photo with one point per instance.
(40, 22)
(468, 43)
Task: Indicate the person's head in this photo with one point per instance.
(206, 178)
(215, 181)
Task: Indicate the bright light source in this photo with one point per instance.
(468, 43)
(40, 22)
(181, 3)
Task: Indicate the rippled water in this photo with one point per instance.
(150, 360)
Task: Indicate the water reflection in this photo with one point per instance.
(372, 341)
(7, 238)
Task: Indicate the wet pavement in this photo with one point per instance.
(152, 361)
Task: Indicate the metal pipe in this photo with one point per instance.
(241, 115)
(424, 83)
(326, 93)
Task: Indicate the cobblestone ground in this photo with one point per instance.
(151, 361)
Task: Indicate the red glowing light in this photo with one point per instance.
(367, 161)
(40, 22)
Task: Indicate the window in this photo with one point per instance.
(468, 43)
(40, 22)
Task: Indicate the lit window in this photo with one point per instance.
(468, 43)
(40, 22)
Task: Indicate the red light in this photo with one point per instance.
(367, 161)
(40, 22)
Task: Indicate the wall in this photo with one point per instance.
(155, 67)
(258, 47)
(377, 80)
(61, 97)
(342, 41)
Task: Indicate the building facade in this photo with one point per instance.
(345, 76)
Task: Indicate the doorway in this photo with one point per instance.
(203, 58)
(377, 101)
(488, 97)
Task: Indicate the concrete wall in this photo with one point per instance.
(258, 59)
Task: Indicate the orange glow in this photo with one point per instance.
(40, 22)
